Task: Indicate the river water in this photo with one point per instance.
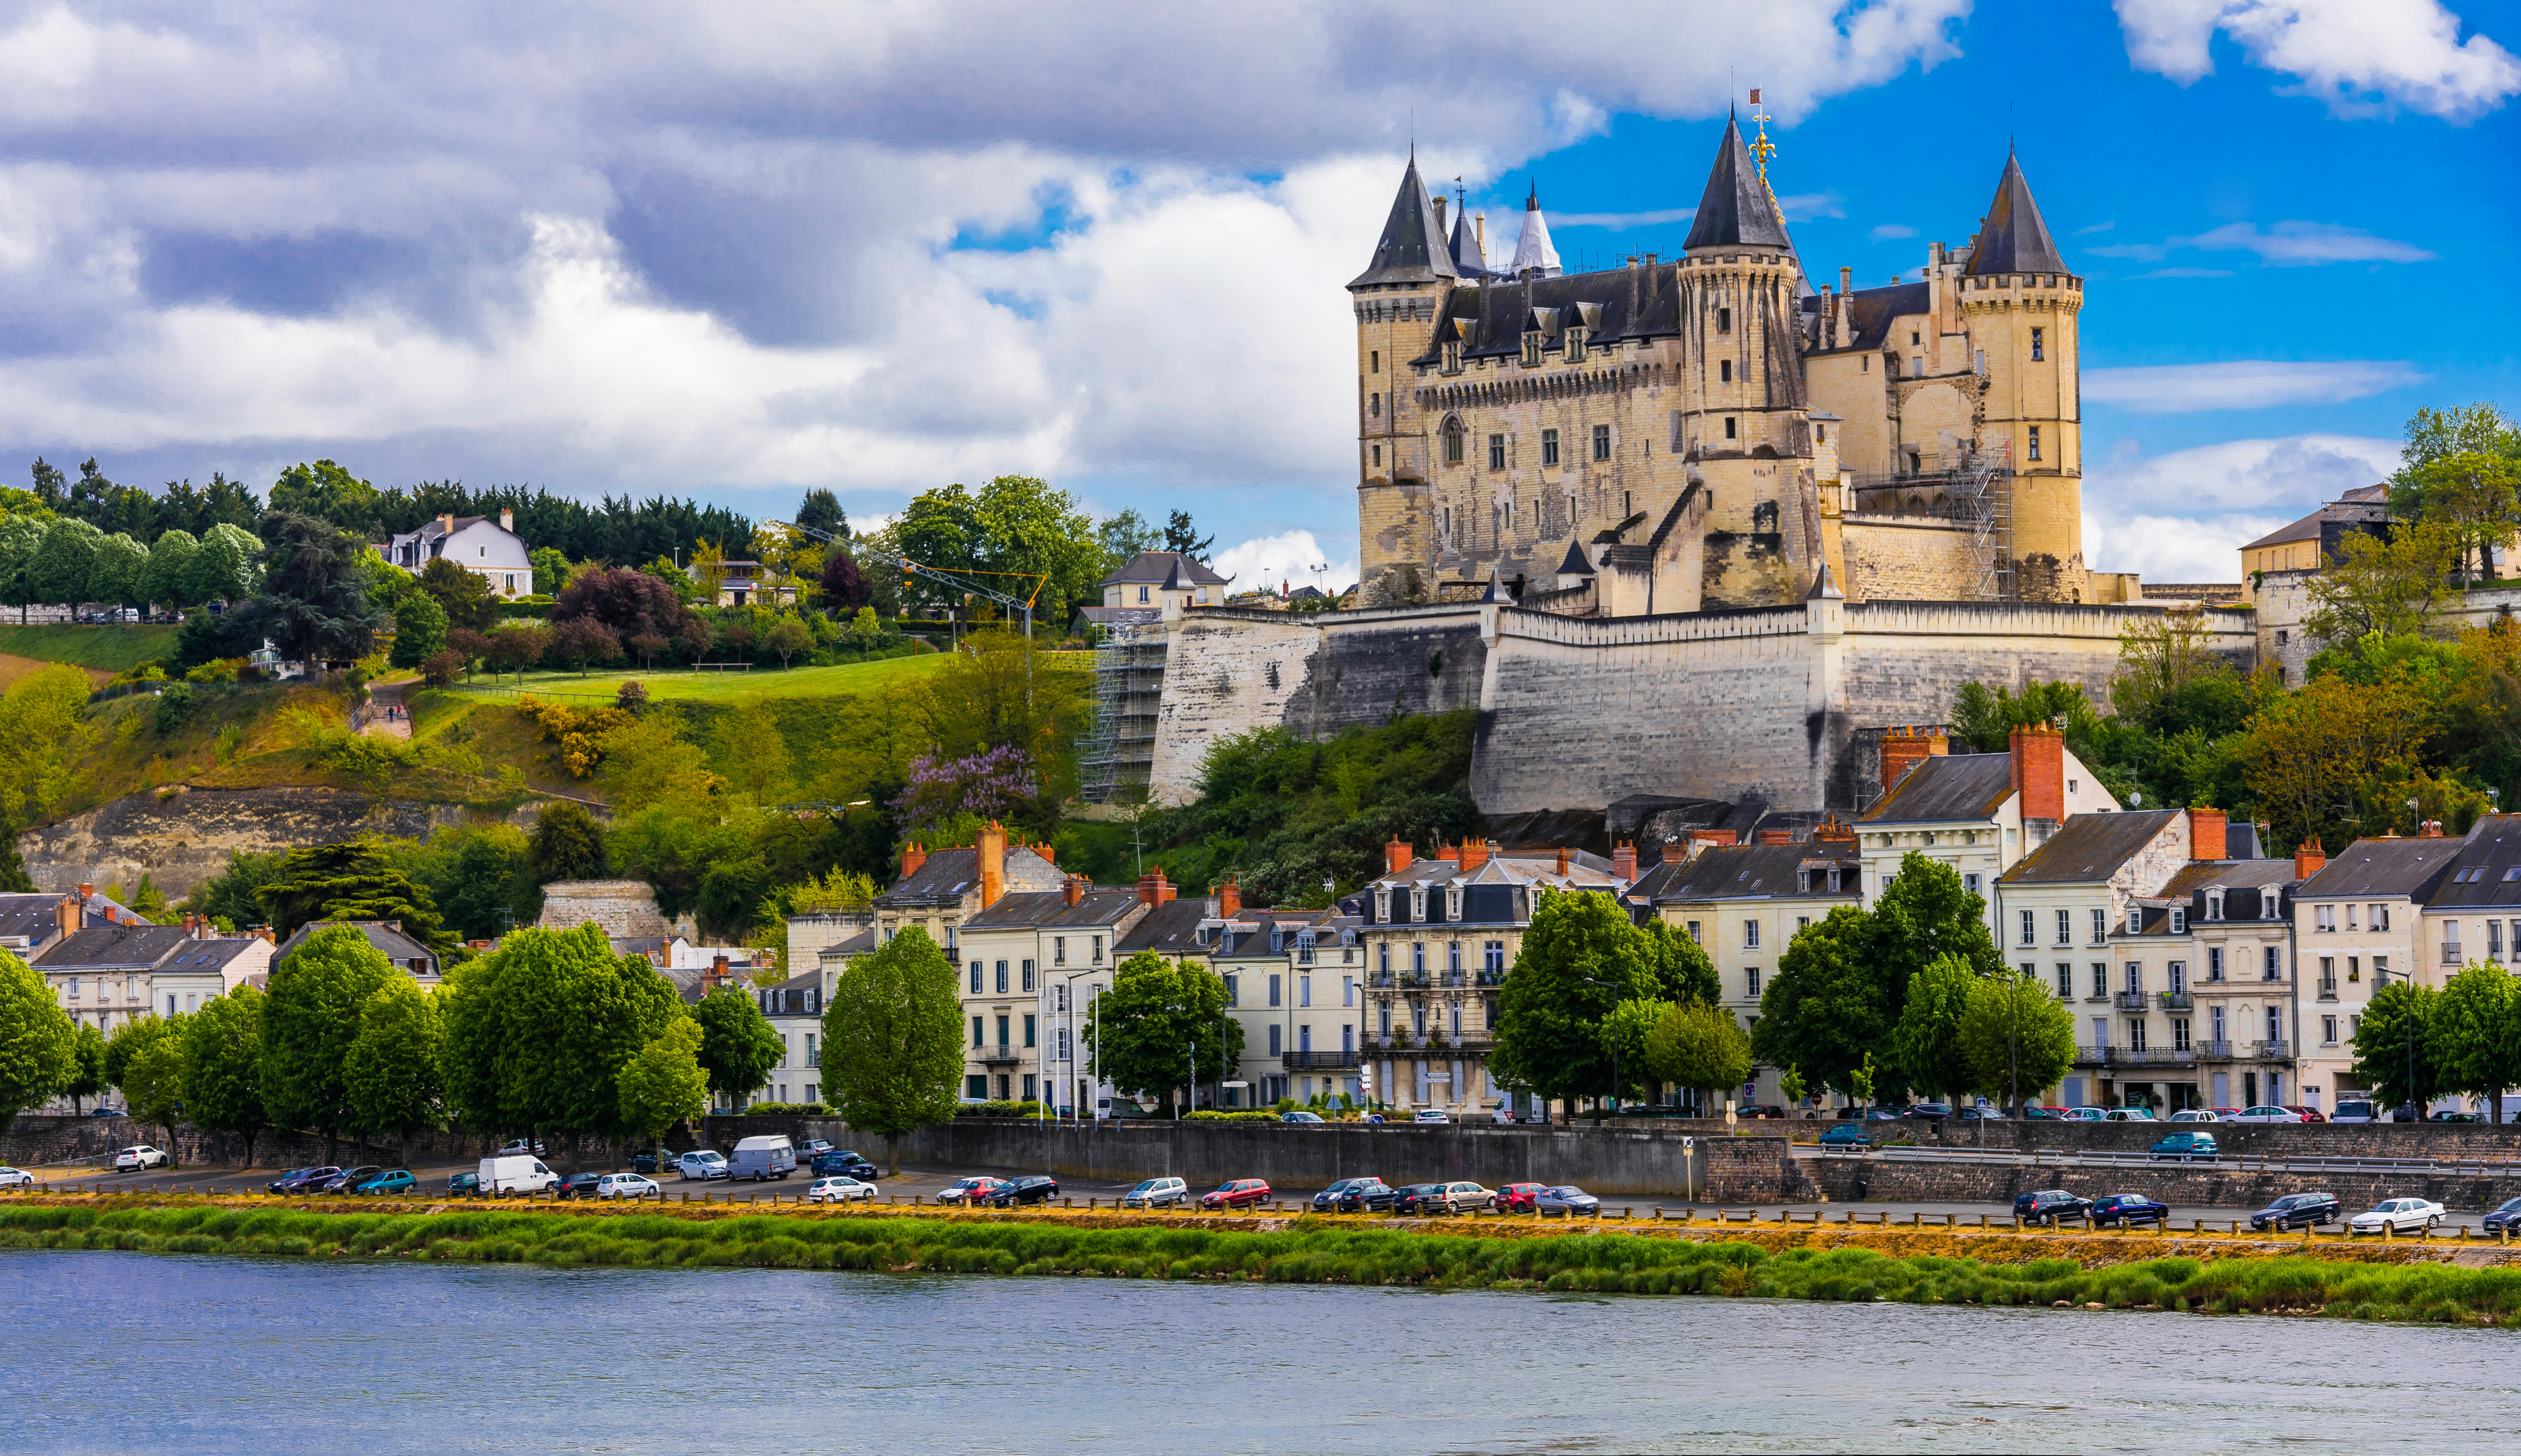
(153, 1352)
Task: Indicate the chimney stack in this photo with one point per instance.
(1477, 852)
(1049, 853)
(2310, 859)
(1562, 861)
(1903, 749)
(992, 844)
(1073, 888)
(1449, 853)
(1834, 830)
(70, 916)
(1707, 838)
(508, 521)
(2206, 834)
(1229, 899)
(1776, 836)
(446, 522)
(1396, 857)
(913, 857)
(2431, 829)
(2039, 772)
(717, 971)
(1154, 890)
(265, 935)
(1624, 862)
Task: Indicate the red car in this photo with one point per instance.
(2306, 1114)
(1236, 1192)
(1515, 1198)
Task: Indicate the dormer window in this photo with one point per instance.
(1531, 349)
(2179, 920)
(1452, 356)
(1383, 905)
(1576, 344)
(2136, 921)
(2214, 907)
(1453, 903)
(2266, 905)
(1418, 902)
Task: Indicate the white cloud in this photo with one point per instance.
(1289, 557)
(2243, 384)
(1622, 220)
(2359, 56)
(1883, 232)
(2291, 475)
(2172, 548)
(2285, 245)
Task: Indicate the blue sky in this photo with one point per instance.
(739, 254)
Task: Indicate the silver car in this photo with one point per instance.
(1157, 1193)
(1567, 1200)
(629, 1186)
(704, 1164)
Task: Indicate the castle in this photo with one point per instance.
(1709, 432)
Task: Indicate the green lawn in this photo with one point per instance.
(718, 687)
(110, 648)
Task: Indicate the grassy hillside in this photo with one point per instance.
(669, 684)
(110, 648)
(14, 667)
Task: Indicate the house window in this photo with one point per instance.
(1030, 1031)
(1453, 957)
(1098, 950)
(1693, 933)
(1058, 950)
(2065, 926)
(1418, 958)
(2065, 980)
(2179, 977)
(1383, 960)
(1453, 441)
(1028, 976)
(2030, 927)
(2134, 979)
(1549, 447)
(2179, 920)
(1601, 441)
(1002, 1031)
(1728, 428)
(2213, 963)
(1751, 934)
(2273, 967)
(1493, 957)
(1275, 1030)
(1453, 903)
(976, 978)
(2135, 919)
(1273, 991)
(2328, 1030)
(2034, 441)
(1418, 902)
(1304, 990)
(1751, 982)
(1233, 990)
(2100, 981)
(1970, 884)
(2038, 345)
(2180, 1034)
(1142, 594)
(1003, 977)
(976, 1032)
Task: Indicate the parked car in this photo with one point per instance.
(2038, 1114)
(2503, 1214)
(1301, 1117)
(514, 1173)
(650, 1160)
(814, 1148)
(1152, 1192)
(1460, 1198)
(1236, 1192)
(2296, 1211)
(1981, 1114)
(839, 1190)
(2087, 1115)
(10, 1177)
(1370, 1196)
(520, 1148)
(628, 1186)
(2051, 1206)
(2402, 1215)
(2130, 1208)
(2224, 1114)
(305, 1180)
(1881, 1114)
(1416, 1198)
(133, 1160)
(972, 1191)
(1038, 1188)
(2266, 1115)
(2453, 1117)
(1567, 1200)
(841, 1163)
(1927, 1112)
(768, 1157)
(1517, 1198)
(283, 1183)
(2306, 1113)
(2352, 1110)
(1328, 1199)
(702, 1164)
(397, 1180)
(2128, 1114)
(1762, 1112)
(2186, 1147)
(464, 1185)
(576, 1185)
(2195, 1115)
(1847, 1135)
(344, 1182)
(1432, 1115)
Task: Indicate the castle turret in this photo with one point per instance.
(2020, 303)
(1397, 299)
(1534, 256)
(1470, 258)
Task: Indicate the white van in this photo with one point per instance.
(2353, 1110)
(760, 1158)
(517, 1174)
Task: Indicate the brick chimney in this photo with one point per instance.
(2431, 829)
(2206, 833)
(1154, 890)
(913, 857)
(1903, 749)
(67, 915)
(992, 845)
(508, 521)
(265, 935)
(446, 522)
(1776, 836)
(2039, 772)
(1229, 899)
(1073, 888)
(2310, 859)
(717, 971)
(1477, 852)
(1834, 830)
(1624, 862)
(1449, 853)
(1049, 852)
(1562, 860)
(1396, 857)
(1708, 839)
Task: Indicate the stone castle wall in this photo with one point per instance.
(1908, 559)
(624, 908)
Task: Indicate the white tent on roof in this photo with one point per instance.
(1533, 251)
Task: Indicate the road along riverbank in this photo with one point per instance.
(2291, 1275)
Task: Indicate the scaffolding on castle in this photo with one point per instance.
(1976, 495)
(1118, 754)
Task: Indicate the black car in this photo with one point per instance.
(2051, 1206)
(1928, 1112)
(1372, 1194)
(576, 1185)
(839, 1161)
(2297, 1211)
(344, 1182)
(1417, 1198)
(1329, 1197)
(464, 1185)
(2506, 1212)
(649, 1162)
(2129, 1208)
(1037, 1189)
(306, 1180)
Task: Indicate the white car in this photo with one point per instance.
(520, 1148)
(2193, 1115)
(2128, 1115)
(2401, 1215)
(15, 1178)
(839, 1191)
(1432, 1115)
(133, 1160)
(1157, 1193)
(969, 1189)
(629, 1186)
(2266, 1115)
(704, 1164)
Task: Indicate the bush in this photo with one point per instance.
(789, 1109)
(999, 1109)
(1208, 1115)
(215, 670)
(440, 668)
(174, 707)
(630, 696)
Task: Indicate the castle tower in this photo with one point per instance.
(1396, 301)
(2020, 303)
(1742, 417)
(1534, 256)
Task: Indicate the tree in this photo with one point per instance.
(327, 490)
(820, 511)
(556, 1074)
(64, 564)
(36, 1040)
(2393, 585)
(664, 1084)
(567, 845)
(514, 649)
(420, 630)
(1580, 960)
(649, 762)
(1159, 1027)
(1824, 1010)
(2471, 1035)
(738, 1047)
(42, 735)
(350, 882)
(87, 1067)
(170, 569)
(1698, 1046)
(845, 587)
(22, 538)
(709, 569)
(1922, 913)
(390, 1073)
(1681, 971)
(2016, 1036)
(2473, 495)
(465, 596)
(582, 642)
(153, 1073)
(2305, 752)
(1926, 1045)
(628, 601)
(2162, 657)
(756, 757)
(120, 575)
(2394, 1052)
(310, 1019)
(892, 1040)
(1180, 535)
(787, 638)
(551, 569)
(1124, 537)
(224, 1063)
(227, 568)
(313, 605)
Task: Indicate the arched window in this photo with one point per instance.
(1453, 440)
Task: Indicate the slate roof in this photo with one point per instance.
(2365, 506)
(1614, 304)
(1169, 929)
(2222, 874)
(1763, 872)
(849, 945)
(2488, 873)
(949, 873)
(1160, 566)
(1735, 211)
(1575, 564)
(112, 948)
(1412, 246)
(2014, 238)
(207, 957)
(1947, 787)
(1039, 909)
(1468, 262)
(1870, 312)
(2385, 867)
(2089, 847)
(392, 944)
(32, 916)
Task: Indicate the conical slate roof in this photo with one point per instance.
(1468, 261)
(1412, 249)
(2014, 238)
(1533, 251)
(1735, 210)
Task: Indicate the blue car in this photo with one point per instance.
(2130, 1208)
(1847, 1135)
(2186, 1147)
(2506, 1212)
(399, 1180)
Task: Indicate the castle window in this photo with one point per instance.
(1378, 457)
(1496, 452)
(1576, 346)
(1376, 367)
(1725, 371)
(1532, 349)
(1453, 441)
(2038, 344)
(1865, 363)
(1549, 447)
(1820, 433)
(1374, 406)
(1728, 426)
(1724, 321)
(1452, 356)
(2034, 441)
(1913, 338)
(1601, 441)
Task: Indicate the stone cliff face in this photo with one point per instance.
(183, 838)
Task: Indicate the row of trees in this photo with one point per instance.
(2417, 1043)
(66, 561)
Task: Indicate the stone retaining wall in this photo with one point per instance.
(33, 1142)
(2227, 1185)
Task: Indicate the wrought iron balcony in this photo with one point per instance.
(2273, 1051)
(2170, 1000)
(2091, 1056)
(1322, 1061)
(1001, 1053)
(2153, 1057)
(2128, 1000)
(2215, 1051)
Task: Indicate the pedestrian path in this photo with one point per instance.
(385, 715)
